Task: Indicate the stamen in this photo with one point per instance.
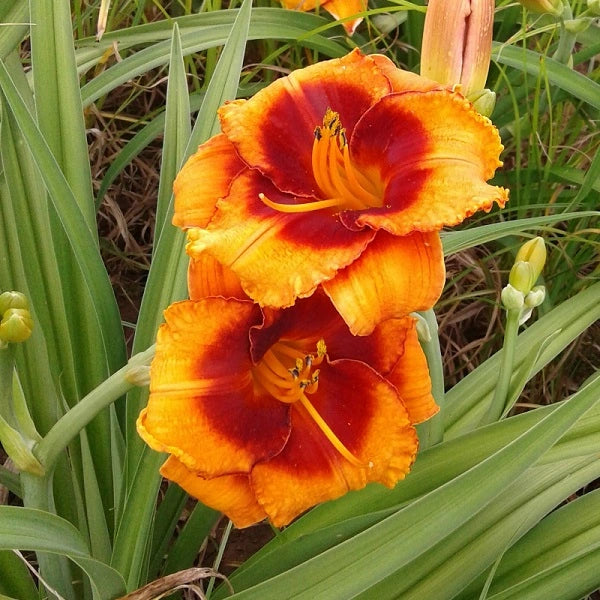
(342, 185)
(329, 434)
(292, 385)
(298, 208)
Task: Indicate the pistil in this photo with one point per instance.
(341, 183)
(291, 385)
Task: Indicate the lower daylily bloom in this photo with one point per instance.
(340, 175)
(266, 413)
(338, 9)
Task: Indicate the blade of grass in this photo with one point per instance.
(560, 550)
(59, 116)
(332, 523)
(269, 24)
(448, 567)
(455, 241)
(14, 20)
(574, 83)
(16, 579)
(29, 529)
(177, 128)
(73, 223)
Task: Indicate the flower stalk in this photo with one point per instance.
(519, 298)
(431, 432)
(68, 426)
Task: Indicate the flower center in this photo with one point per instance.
(291, 385)
(342, 184)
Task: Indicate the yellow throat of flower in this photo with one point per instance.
(341, 183)
(291, 385)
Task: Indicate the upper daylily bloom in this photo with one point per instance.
(338, 9)
(266, 413)
(340, 175)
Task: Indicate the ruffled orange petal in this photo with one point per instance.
(208, 277)
(205, 177)
(393, 277)
(403, 81)
(277, 256)
(340, 9)
(365, 413)
(434, 154)
(410, 375)
(203, 408)
(229, 494)
(274, 130)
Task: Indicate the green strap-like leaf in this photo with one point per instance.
(402, 537)
(73, 223)
(267, 23)
(573, 82)
(455, 241)
(30, 529)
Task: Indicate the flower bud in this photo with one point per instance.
(483, 101)
(512, 298)
(18, 450)
(138, 375)
(12, 300)
(457, 43)
(521, 276)
(422, 327)
(552, 7)
(535, 297)
(533, 252)
(576, 26)
(594, 7)
(16, 325)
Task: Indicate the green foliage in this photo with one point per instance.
(477, 517)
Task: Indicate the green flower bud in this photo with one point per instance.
(18, 450)
(521, 276)
(512, 298)
(16, 325)
(483, 101)
(422, 327)
(12, 300)
(594, 7)
(536, 296)
(552, 7)
(138, 375)
(528, 266)
(576, 26)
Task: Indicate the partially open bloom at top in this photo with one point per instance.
(266, 413)
(338, 9)
(457, 43)
(341, 176)
(553, 7)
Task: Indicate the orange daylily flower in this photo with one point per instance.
(266, 413)
(338, 9)
(340, 175)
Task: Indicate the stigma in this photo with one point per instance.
(342, 185)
